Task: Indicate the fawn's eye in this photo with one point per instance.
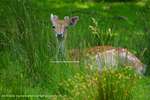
(53, 27)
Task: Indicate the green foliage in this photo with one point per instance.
(102, 0)
(27, 45)
(118, 84)
(110, 84)
(118, 0)
(80, 86)
(100, 37)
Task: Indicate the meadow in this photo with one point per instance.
(27, 44)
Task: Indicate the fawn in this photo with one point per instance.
(96, 56)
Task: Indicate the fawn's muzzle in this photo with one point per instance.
(60, 36)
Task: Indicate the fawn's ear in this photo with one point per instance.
(74, 20)
(54, 18)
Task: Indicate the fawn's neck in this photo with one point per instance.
(60, 50)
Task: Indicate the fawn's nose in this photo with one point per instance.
(60, 35)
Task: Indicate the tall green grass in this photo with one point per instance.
(27, 44)
(110, 84)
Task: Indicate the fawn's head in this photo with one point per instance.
(60, 26)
